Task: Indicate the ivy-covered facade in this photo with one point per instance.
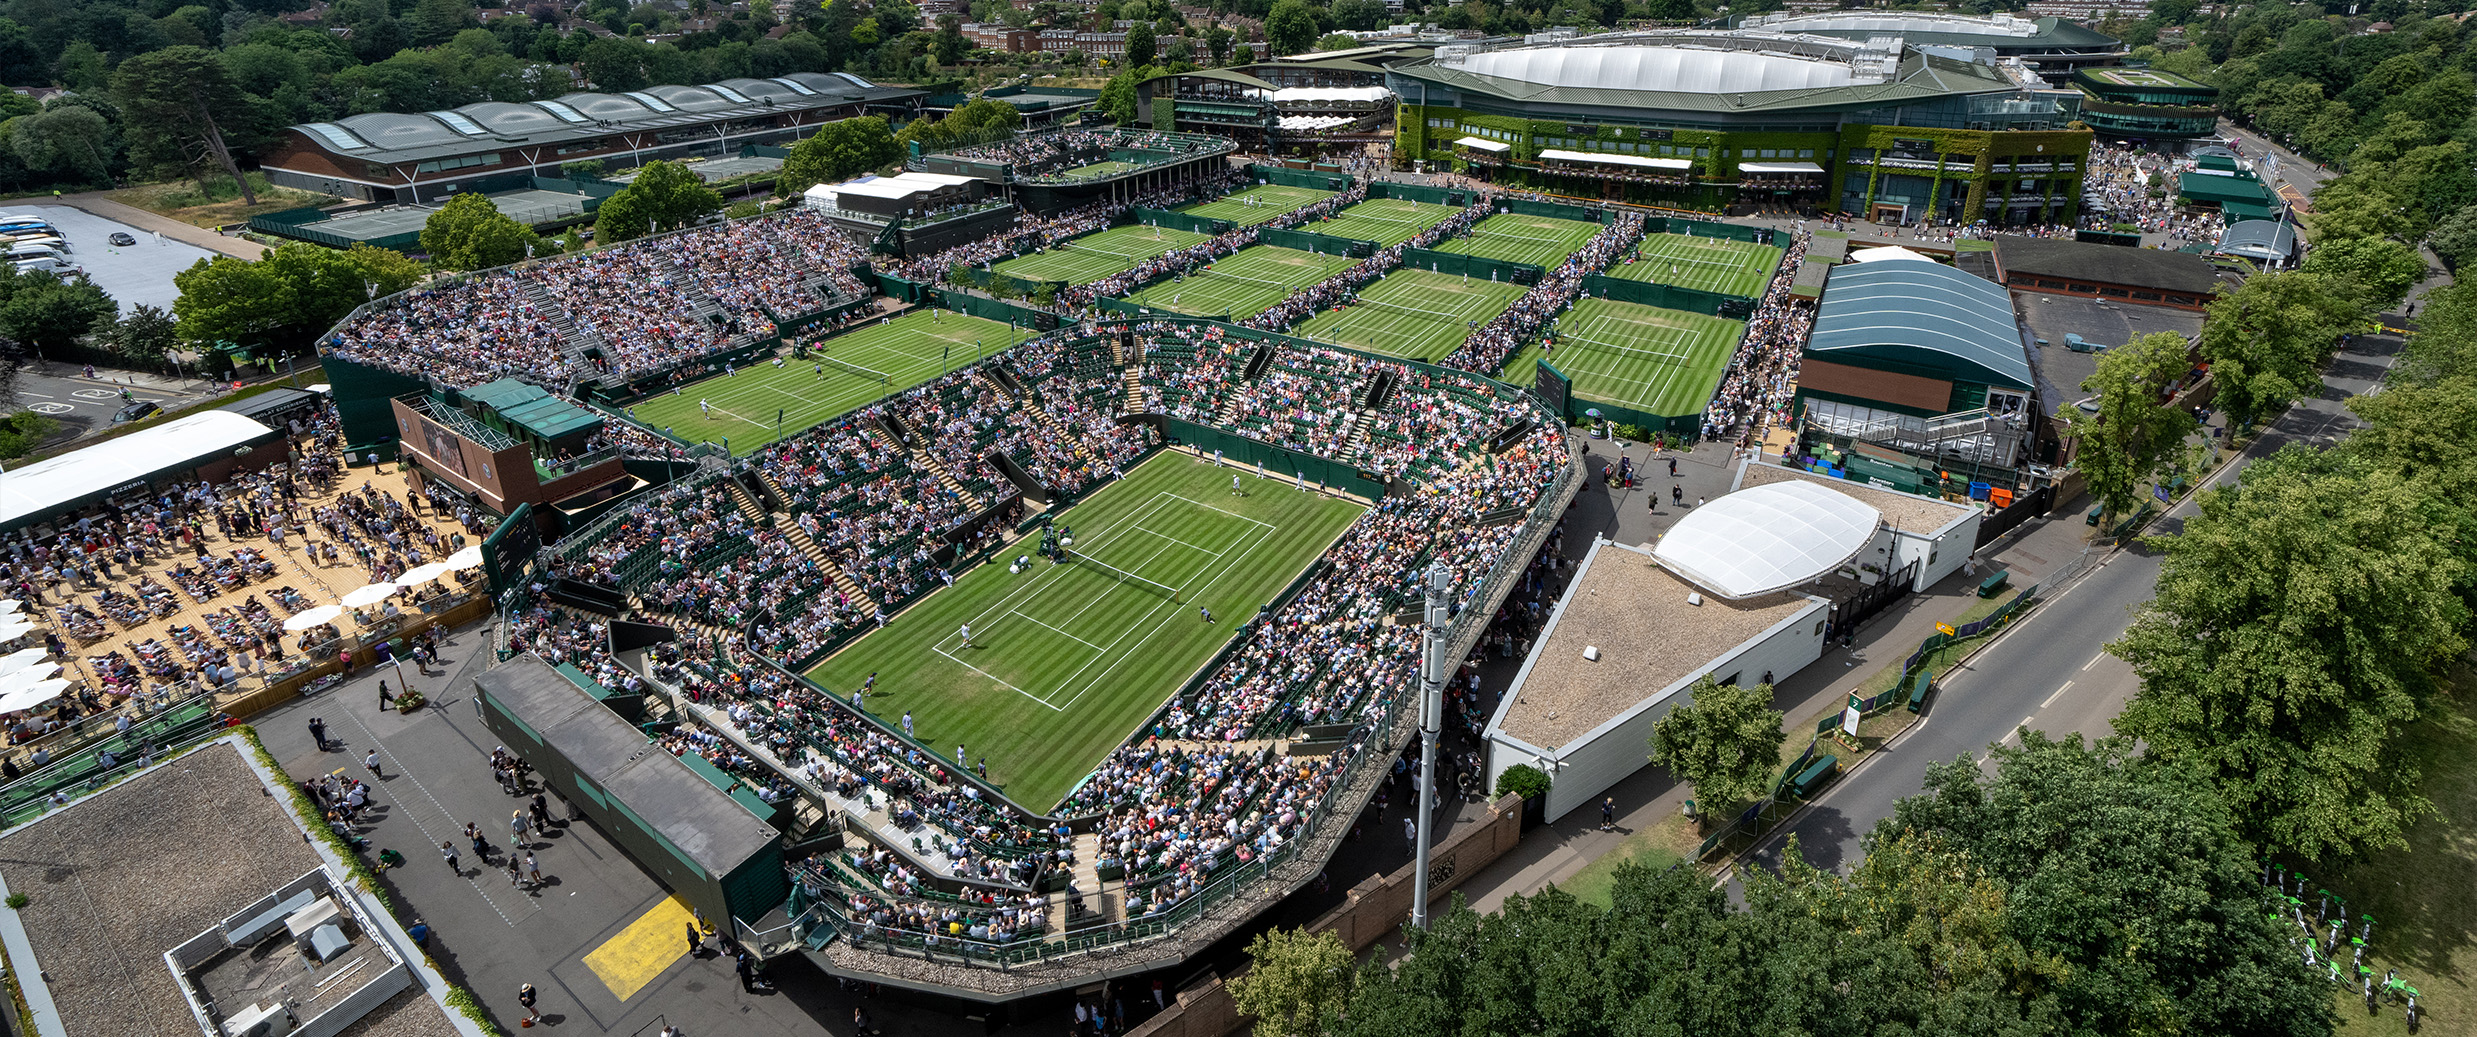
(1925, 137)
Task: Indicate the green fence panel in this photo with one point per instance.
(1668, 296)
(1716, 229)
(1474, 267)
(1277, 462)
(990, 279)
(362, 394)
(1296, 178)
(1552, 209)
(1421, 193)
(1178, 221)
(907, 291)
(1688, 426)
(1307, 242)
(996, 309)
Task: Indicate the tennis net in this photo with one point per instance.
(1678, 357)
(1450, 318)
(1123, 576)
(880, 377)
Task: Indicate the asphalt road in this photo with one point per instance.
(2051, 672)
(82, 405)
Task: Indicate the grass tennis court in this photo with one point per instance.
(1095, 256)
(1542, 241)
(1066, 660)
(1413, 314)
(1112, 167)
(911, 349)
(1664, 361)
(1244, 283)
(1256, 204)
(1385, 221)
(1721, 265)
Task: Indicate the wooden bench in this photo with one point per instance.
(1813, 777)
(1919, 686)
(1994, 583)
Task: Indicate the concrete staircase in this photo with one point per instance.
(808, 548)
(699, 299)
(921, 460)
(575, 337)
(1043, 419)
(1354, 447)
(1099, 908)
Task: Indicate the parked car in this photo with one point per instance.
(136, 411)
(121, 237)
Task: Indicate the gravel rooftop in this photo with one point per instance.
(1648, 636)
(1906, 512)
(128, 873)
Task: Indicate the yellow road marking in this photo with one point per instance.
(640, 952)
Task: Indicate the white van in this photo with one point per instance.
(51, 241)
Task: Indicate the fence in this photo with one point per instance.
(1707, 229)
(898, 288)
(1277, 461)
(1418, 193)
(1178, 221)
(1554, 210)
(1307, 242)
(992, 280)
(1474, 267)
(995, 309)
(1668, 296)
(1296, 178)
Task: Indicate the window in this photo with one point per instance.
(1771, 153)
(727, 93)
(2147, 296)
(459, 162)
(336, 136)
(650, 101)
(458, 123)
(1702, 152)
(565, 113)
(794, 84)
(1806, 153)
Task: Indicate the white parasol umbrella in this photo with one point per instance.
(10, 605)
(307, 618)
(22, 658)
(421, 574)
(36, 696)
(465, 559)
(15, 627)
(370, 595)
(28, 676)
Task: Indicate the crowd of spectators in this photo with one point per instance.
(1762, 376)
(1489, 346)
(463, 333)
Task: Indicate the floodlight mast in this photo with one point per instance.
(1435, 669)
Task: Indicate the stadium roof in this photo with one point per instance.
(2110, 264)
(83, 476)
(1919, 315)
(1767, 538)
(2259, 239)
(1721, 72)
(1925, 28)
(414, 137)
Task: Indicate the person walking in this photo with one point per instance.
(907, 723)
(386, 700)
(526, 996)
(1608, 814)
(515, 872)
(533, 869)
(747, 969)
(318, 730)
(448, 850)
(516, 828)
(370, 763)
(1410, 833)
(696, 941)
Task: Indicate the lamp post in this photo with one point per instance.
(1434, 668)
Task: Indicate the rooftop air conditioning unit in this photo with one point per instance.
(262, 1021)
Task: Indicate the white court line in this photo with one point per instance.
(1061, 633)
(1181, 543)
(1261, 536)
(1224, 511)
(994, 677)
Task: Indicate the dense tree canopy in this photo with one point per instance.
(839, 151)
(2135, 434)
(1724, 741)
(664, 196)
(470, 233)
(294, 292)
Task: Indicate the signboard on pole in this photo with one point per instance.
(1851, 716)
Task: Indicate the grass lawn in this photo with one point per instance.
(1112, 167)
(2425, 917)
(1722, 265)
(1067, 660)
(219, 204)
(1244, 283)
(911, 349)
(1663, 361)
(1542, 241)
(1385, 221)
(1256, 204)
(1413, 314)
(1095, 256)
(1656, 847)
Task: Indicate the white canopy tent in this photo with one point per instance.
(1767, 538)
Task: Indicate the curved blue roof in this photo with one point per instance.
(1921, 316)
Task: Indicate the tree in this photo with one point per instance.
(949, 47)
(2299, 623)
(1358, 14)
(583, 169)
(837, 151)
(1295, 982)
(612, 63)
(1290, 28)
(2267, 340)
(1725, 741)
(71, 142)
(43, 310)
(22, 432)
(2381, 270)
(2132, 874)
(293, 293)
(1522, 780)
(470, 233)
(170, 99)
(144, 334)
(2455, 237)
(229, 299)
(1217, 43)
(1244, 55)
(664, 196)
(2136, 433)
(1336, 41)
(1140, 44)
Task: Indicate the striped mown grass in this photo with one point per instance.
(1652, 359)
(1413, 314)
(1542, 241)
(1095, 256)
(1067, 660)
(1244, 283)
(907, 351)
(1385, 221)
(1723, 265)
(1256, 204)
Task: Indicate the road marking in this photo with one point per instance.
(35, 394)
(2051, 699)
(2094, 660)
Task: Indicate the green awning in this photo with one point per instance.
(2247, 211)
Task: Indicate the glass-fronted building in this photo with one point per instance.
(2146, 104)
